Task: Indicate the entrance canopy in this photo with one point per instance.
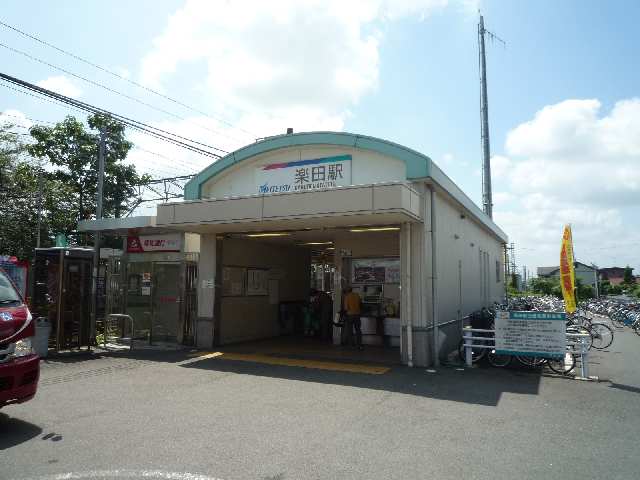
(379, 204)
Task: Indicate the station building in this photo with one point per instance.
(327, 210)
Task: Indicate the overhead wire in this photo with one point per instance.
(116, 92)
(132, 82)
(183, 164)
(135, 124)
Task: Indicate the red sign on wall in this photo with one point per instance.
(169, 242)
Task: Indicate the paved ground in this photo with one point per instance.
(149, 414)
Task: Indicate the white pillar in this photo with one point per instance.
(207, 282)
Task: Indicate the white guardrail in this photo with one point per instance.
(574, 340)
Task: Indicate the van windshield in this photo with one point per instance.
(8, 293)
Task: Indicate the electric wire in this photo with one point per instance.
(135, 124)
(132, 82)
(116, 92)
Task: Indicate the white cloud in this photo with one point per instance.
(14, 118)
(61, 84)
(283, 63)
(499, 166)
(572, 163)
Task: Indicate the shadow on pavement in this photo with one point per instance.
(627, 388)
(477, 386)
(14, 431)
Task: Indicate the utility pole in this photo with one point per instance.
(39, 206)
(487, 199)
(97, 237)
(595, 274)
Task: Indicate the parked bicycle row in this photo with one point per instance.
(584, 332)
(621, 314)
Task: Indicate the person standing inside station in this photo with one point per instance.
(352, 321)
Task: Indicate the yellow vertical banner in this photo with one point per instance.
(567, 272)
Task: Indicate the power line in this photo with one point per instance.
(132, 82)
(109, 89)
(135, 124)
(136, 147)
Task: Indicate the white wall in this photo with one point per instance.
(366, 167)
(252, 317)
(466, 263)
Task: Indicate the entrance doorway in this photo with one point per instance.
(274, 286)
(159, 303)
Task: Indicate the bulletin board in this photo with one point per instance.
(233, 281)
(257, 281)
(375, 270)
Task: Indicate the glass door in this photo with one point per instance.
(138, 297)
(166, 301)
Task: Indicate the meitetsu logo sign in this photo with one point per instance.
(303, 175)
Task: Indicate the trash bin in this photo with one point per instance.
(43, 330)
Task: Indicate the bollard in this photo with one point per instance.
(584, 354)
(468, 358)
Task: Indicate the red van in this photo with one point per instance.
(19, 364)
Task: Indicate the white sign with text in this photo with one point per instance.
(533, 334)
(302, 175)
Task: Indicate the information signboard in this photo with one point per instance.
(532, 334)
(376, 270)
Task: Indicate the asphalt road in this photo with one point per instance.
(153, 416)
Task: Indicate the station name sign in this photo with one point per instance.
(301, 175)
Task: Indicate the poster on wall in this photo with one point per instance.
(302, 175)
(376, 270)
(233, 281)
(257, 282)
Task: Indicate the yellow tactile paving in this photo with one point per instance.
(297, 362)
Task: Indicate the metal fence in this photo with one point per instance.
(484, 339)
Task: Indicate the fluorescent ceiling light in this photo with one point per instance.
(317, 243)
(273, 234)
(330, 248)
(375, 229)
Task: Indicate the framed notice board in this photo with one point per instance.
(233, 281)
(257, 281)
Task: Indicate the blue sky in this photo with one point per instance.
(563, 110)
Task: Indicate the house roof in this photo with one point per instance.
(546, 271)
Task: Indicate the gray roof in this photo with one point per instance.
(548, 271)
(545, 271)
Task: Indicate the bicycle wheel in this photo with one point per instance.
(477, 354)
(531, 361)
(582, 330)
(602, 335)
(496, 360)
(562, 365)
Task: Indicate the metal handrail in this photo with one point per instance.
(120, 316)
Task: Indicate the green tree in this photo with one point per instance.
(543, 285)
(20, 184)
(628, 276)
(74, 150)
(615, 290)
(583, 292)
